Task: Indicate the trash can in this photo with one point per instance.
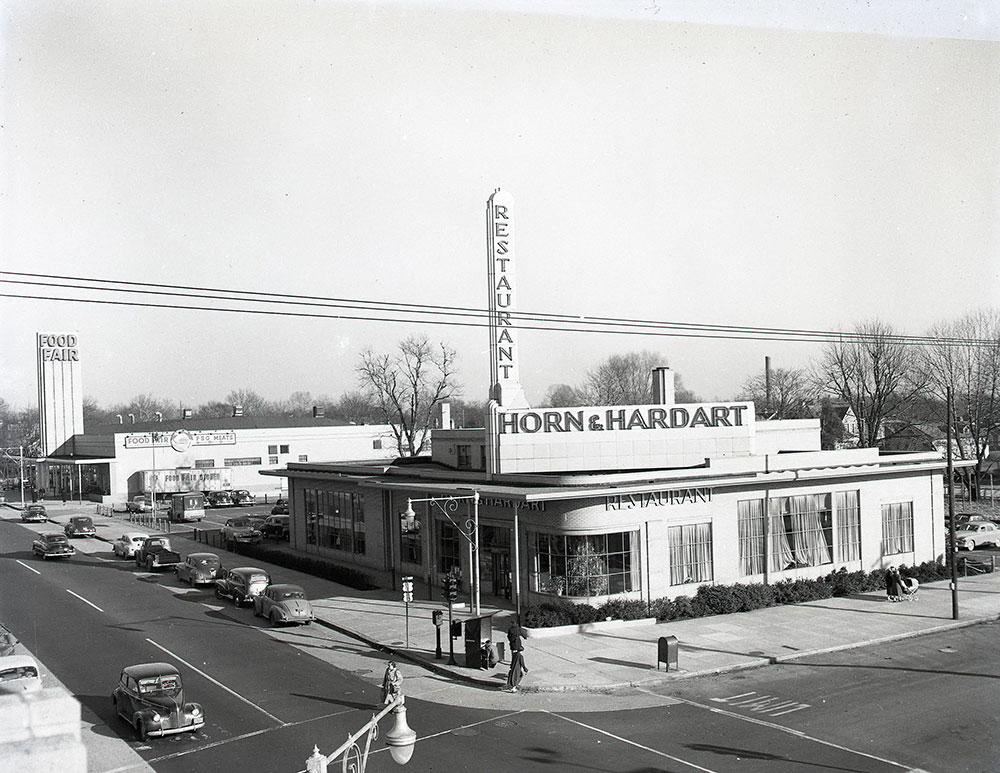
(477, 629)
(666, 652)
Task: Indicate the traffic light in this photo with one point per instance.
(450, 588)
(408, 588)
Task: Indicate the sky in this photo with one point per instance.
(784, 164)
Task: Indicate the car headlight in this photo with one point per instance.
(156, 717)
(196, 711)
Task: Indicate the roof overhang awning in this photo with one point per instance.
(77, 461)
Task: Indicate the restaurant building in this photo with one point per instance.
(639, 501)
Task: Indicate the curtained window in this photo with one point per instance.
(587, 565)
(690, 553)
(751, 535)
(848, 526)
(801, 531)
(897, 528)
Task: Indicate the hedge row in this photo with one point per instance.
(317, 567)
(726, 599)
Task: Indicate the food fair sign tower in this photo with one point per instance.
(505, 382)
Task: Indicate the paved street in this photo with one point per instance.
(270, 695)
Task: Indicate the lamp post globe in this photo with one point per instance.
(400, 739)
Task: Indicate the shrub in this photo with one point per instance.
(798, 591)
(313, 565)
(623, 609)
(844, 583)
(545, 616)
(683, 609)
(661, 609)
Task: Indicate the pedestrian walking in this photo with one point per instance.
(514, 635)
(392, 684)
(893, 584)
(63, 492)
(517, 670)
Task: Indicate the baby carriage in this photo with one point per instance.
(909, 587)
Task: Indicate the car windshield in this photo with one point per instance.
(212, 561)
(291, 593)
(82, 521)
(165, 683)
(137, 539)
(22, 672)
(55, 538)
(240, 522)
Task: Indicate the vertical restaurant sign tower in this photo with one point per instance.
(505, 383)
(60, 389)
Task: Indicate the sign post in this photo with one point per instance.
(407, 598)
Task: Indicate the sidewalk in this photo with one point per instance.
(621, 657)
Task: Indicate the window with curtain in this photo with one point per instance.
(848, 513)
(690, 553)
(801, 531)
(751, 534)
(897, 528)
(585, 565)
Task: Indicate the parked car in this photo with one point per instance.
(34, 514)
(280, 507)
(964, 518)
(19, 674)
(142, 504)
(155, 553)
(199, 569)
(52, 546)
(80, 526)
(283, 603)
(242, 498)
(150, 697)
(128, 543)
(276, 526)
(242, 584)
(972, 534)
(240, 530)
(218, 499)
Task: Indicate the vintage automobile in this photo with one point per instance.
(19, 674)
(128, 543)
(218, 499)
(199, 569)
(276, 526)
(242, 584)
(52, 546)
(240, 530)
(155, 553)
(34, 514)
(150, 697)
(974, 533)
(280, 507)
(242, 498)
(80, 526)
(283, 603)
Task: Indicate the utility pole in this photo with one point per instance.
(767, 387)
(952, 550)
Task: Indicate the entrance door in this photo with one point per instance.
(501, 574)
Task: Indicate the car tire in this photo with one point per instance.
(274, 620)
(218, 592)
(140, 730)
(149, 564)
(256, 612)
(970, 544)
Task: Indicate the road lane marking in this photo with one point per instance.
(29, 568)
(213, 607)
(762, 704)
(788, 730)
(84, 600)
(218, 683)
(633, 743)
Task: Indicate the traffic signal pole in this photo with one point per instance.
(451, 639)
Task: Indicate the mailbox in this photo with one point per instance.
(667, 652)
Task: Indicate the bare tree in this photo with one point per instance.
(144, 407)
(252, 402)
(627, 379)
(874, 373)
(967, 359)
(358, 408)
(791, 394)
(408, 386)
(563, 396)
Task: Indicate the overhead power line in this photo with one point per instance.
(428, 313)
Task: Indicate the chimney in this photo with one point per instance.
(663, 386)
(318, 412)
(120, 419)
(237, 411)
(131, 418)
(159, 416)
(185, 413)
(445, 415)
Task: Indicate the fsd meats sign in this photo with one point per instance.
(180, 441)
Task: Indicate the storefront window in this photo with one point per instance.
(848, 526)
(751, 526)
(449, 548)
(690, 553)
(801, 531)
(590, 565)
(336, 520)
(897, 528)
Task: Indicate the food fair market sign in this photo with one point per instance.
(181, 440)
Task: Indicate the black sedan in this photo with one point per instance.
(80, 526)
(52, 546)
(150, 697)
(34, 514)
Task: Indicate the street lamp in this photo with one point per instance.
(400, 740)
(448, 505)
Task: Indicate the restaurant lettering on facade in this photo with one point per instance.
(601, 420)
(684, 496)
